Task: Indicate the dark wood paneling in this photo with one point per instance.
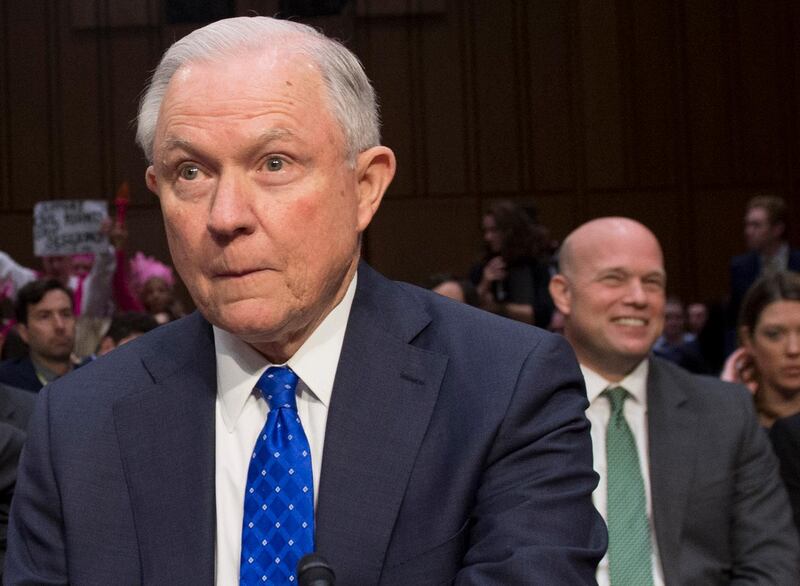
(670, 112)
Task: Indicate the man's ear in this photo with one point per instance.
(561, 293)
(22, 330)
(375, 169)
(150, 179)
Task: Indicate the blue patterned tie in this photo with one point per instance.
(278, 522)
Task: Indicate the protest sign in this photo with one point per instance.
(62, 227)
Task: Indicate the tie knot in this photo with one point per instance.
(616, 396)
(277, 386)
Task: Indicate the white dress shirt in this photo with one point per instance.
(635, 410)
(241, 414)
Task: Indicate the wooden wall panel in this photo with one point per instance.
(30, 113)
(442, 135)
(652, 87)
(445, 231)
(551, 131)
(79, 102)
(496, 94)
(672, 112)
(708, 92)
(758, 92)
(601, 95)
(386, 42)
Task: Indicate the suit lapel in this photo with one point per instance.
(672, 435)
(382, 401)
(166, 438)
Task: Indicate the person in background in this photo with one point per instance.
(674, 344)
(696, 318)
(768, 361)
(689, 485)
(460, 290)
(88, 276)
(46, 323)
(765, 227)
(125, 327)
(153, 283)
(512, 278)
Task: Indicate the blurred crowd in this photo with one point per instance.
(75, 308)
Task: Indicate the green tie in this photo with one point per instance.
(629, 559)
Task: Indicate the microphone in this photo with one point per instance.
(313, 570)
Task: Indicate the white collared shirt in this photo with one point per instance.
(241, 414)
(635, 410)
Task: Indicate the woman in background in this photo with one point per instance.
(769, 364)
(512, 278)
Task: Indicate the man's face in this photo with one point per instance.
(613, 298)
(263, 213)
(156, 295)
(674, 321)
(57, 267)
(50, 331)
(758, 231)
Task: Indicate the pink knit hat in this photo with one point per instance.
(144, 268)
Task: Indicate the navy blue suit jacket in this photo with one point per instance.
(20, 373)
(745, 270)
(456, 450)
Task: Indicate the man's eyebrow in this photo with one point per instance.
(275, 134)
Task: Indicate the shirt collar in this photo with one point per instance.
(239, 365)
(635, 382)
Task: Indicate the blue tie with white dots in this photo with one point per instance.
(278, 522)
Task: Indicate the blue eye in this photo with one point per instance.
(274, 164)
(189, 172)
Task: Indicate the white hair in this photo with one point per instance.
(351, 96)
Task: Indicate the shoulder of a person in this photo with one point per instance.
(743, 261)
(701, 388)
(123, 370)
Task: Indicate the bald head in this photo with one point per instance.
(583, 242)
(610, 289)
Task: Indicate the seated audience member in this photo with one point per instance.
(124, 328)
(696, 318)
(765, 224)
(768, 361)
(16, 406)
(690, 487)
(673, 344)
(512, 278)
(460, 290)
(46, 323)
(152, 281)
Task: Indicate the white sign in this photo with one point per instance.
(62, 227)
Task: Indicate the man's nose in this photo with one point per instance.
(636, 293)
(231, 213)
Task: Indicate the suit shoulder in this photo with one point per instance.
(700, 388)
(126, 369)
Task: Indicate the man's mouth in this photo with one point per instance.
(630, 321)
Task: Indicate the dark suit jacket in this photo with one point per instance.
(20, 373)
(16, 406)
(456, 450)
(720, 512)
(785, 436)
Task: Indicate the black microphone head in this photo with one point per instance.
(314, 570)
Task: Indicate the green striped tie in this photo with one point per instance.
(629, 549)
